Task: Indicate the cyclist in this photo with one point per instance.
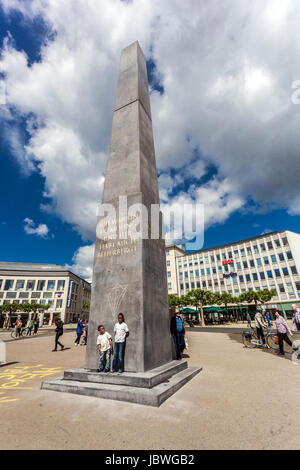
(260, 324)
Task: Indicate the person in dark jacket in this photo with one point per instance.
(177, 332)
(59, 330)
(79, 331)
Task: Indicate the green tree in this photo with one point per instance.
(199, 298)
(256, 297)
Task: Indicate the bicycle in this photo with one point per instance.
(251, 340)
(23, 332)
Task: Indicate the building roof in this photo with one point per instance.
(36, 267)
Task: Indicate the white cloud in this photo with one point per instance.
(31, 228)
(83, 262)
(226, 68)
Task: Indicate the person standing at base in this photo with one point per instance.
(121, 333)
(282, 331)
(59, 330)
(178, 332)
(79, 331)
(105, 348)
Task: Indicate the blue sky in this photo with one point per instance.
(193, 163)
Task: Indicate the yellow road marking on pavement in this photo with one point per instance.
(15, 378)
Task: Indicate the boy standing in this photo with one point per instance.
(121, 333)
(105, 347)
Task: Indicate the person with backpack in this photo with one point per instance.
(296, 318)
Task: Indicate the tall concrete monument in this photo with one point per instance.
(129, 274)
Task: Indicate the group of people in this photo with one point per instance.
(33, 327)
(262, 320)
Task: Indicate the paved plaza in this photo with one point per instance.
(243, 399)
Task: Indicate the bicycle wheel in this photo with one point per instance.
(271, 342)
(247, 341)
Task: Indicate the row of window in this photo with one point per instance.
(266, 259)
(59, 302)
(281, 288)
(19, 285)
(208, 271)
(26, 295)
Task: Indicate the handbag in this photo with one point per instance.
(276, 339)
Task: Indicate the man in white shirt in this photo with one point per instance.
(121, 333)
(105, 347)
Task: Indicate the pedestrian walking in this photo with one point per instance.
(260, 325)
(268, 319)
(121, 333)
(36, 326)
(178, 332)
(18, 327)
(296, 318)
(249, 319)
(79, 330)
(105, 348)
(30, 327)
(59, 331)
(282, 332)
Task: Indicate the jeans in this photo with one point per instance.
(283, 337)
(29, 331)
(105, 360)
(260, 335)
(57, 336)
(118, 361)
(179, 344)
(77, 340)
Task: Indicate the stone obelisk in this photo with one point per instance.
(130, 273)
(129, 276)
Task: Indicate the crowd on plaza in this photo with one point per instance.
(262, 320)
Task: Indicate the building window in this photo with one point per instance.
(47, 295)
(212, 259)
(230, 254)
(270, 274)
(285, 271)
(208, 271)
(51, 285)
(248, 279)
(20, 285)
(298, 286)
(289, 255)
(24, 295)
(242, 252)
(197, 273)
(249, 251)
(236, 253)
(270, 245)
(193, 285)
(262, 275)
(168, 264)
(218, 258)
(255, 249)
(245, 264)
(284, 241)
(202, 272)
(263, 247)
(41, 285)
(204, 283)
(294, 270)
(9, 284)
(266, 260)
(241, 278)
(11, 295)
(274, 259)
(281, 257)
(198, 285)
(36, 295)
(252, 265)
(0, 283)
(169, 274)
(258, 261)
(239, 266)
(277, 273)
(277, 243)
(255, 277)
(30, 285)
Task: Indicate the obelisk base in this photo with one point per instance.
(150, 388)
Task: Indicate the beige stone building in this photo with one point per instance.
(46, 284)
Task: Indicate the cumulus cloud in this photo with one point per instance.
(31, 228)
(83, 262)
(226, 69)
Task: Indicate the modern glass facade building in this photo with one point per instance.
(46, 284)
(270, 261)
